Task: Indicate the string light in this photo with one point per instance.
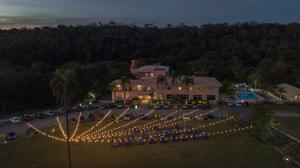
(93, 127)
(132, 128)
(61, 128)
(122, 126)
(109, 136)
(46, 135)
(76, 128)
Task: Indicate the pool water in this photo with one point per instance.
(248, 96)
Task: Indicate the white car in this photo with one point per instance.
(166, 106)
(238, 104)
(15, 120)
(120, 105)
(199, 117)
(195, 106)
(157, 106)
(49, 113)
(185, 117)
(185, 106)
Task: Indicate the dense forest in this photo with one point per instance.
(267, 53)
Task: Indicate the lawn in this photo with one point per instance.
(283, 108)
(226, 151)
(290, 125)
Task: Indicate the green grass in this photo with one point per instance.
(284, 108)
(290, 125)
(234, 151)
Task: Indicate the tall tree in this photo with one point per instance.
(64, 86)
(161, 82)
(125, 83)
(187, 82)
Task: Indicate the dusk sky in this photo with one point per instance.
(18, 13)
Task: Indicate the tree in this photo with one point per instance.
(112, 88)
(161, 81)
(64, 86)
(125, 83)
(187, 82)
(263, 122)
(174, 80)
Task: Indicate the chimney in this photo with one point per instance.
(133, 66)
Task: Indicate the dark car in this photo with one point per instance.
(82, 119)
(28, 117)
(40, 115)
(10, 136)
(91, 117)
(73, 120)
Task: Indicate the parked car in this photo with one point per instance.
(15, 120)
(28, 117)
(185, 117)
(230, 104)
(195, 106)
(73, 121)
(60, 111)
(238, 104)
(120, 105)
(91, 117)
(82, 119)
(209, 117)
(87, 107)
(77, 108)
(184, 106)
(164, 117)
(11, 136)
(49, 113)
(127, 117)
(39, 115)
(199, 117)
(166, 106)
(156, 106)
(102, 107)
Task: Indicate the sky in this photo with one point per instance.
(30, 13)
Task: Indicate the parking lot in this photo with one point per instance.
(133, 112)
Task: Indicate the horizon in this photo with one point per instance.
(38, 13)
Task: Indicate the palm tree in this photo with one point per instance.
(174, 80)
(125, 83)
(161, 81)
(187, 81)
(112, 87)
(65, 87)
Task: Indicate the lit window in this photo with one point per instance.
(179, 88)
(139, 87)
(118, 86)
(191, 88)
(151, 75)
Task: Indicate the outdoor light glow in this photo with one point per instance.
(179, 88)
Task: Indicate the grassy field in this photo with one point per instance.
(284, 108)
(290, 125)
(226, 151)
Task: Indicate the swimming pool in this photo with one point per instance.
(248, 96)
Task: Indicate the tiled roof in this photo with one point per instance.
(151, 68)
(289, 89)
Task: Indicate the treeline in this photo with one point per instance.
(267, 53)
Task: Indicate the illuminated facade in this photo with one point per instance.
(145, 86)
